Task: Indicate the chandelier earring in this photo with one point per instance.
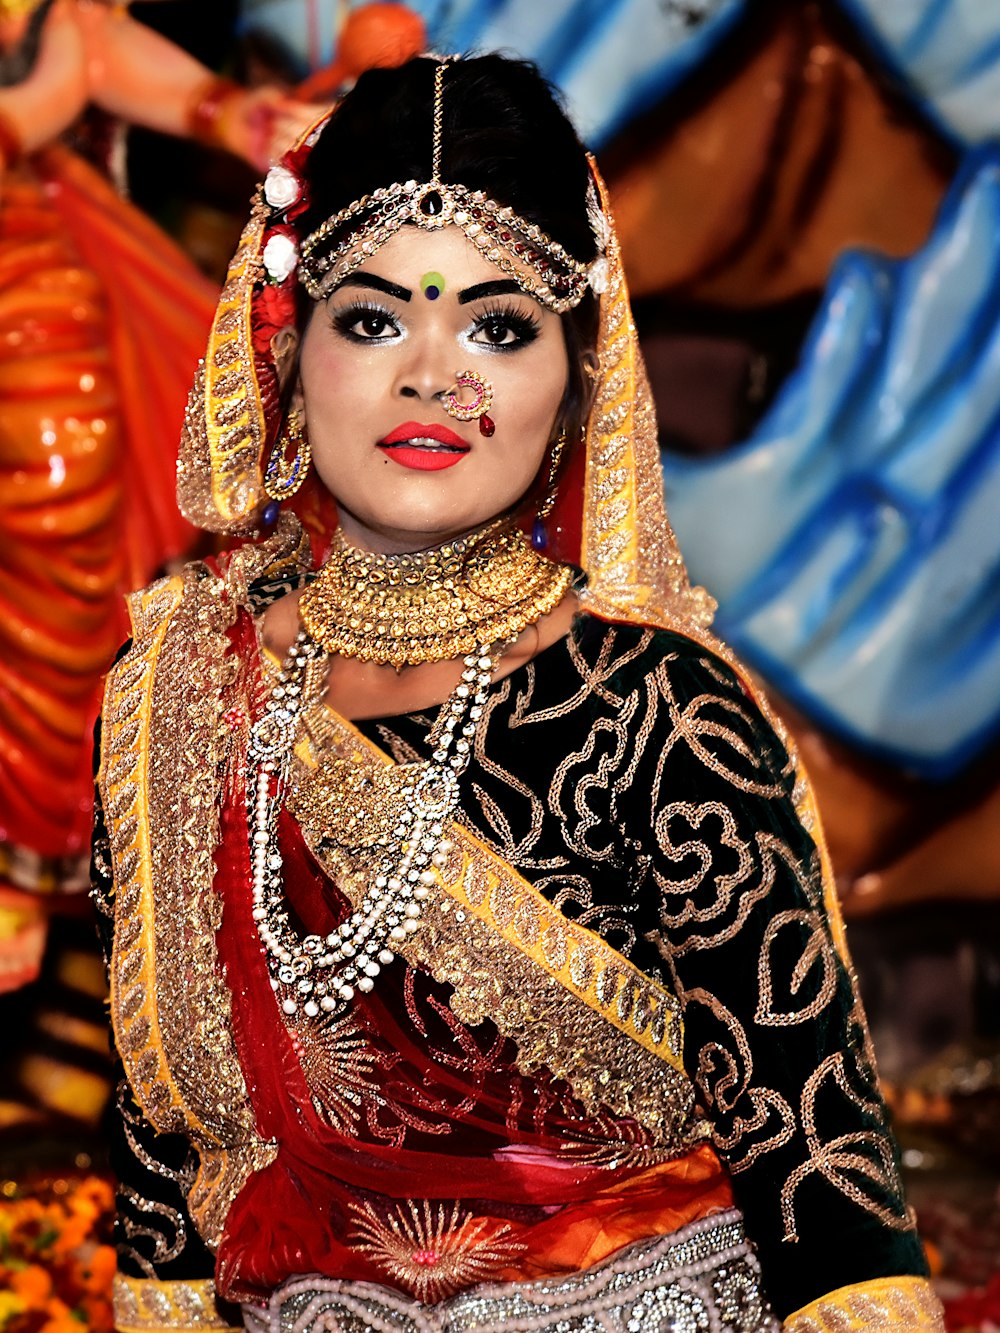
(539, 532)
(287, 464)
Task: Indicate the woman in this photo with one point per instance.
(464, 919)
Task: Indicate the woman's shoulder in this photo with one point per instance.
(633, 651)
(683, 679)
(242, 581)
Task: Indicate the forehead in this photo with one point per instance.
(411, 252)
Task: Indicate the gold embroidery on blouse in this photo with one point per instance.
(848, 1157)
(884, 1305)
(725, 1075)
(145, 1305)
(817, 960)
(148, 1227)
(161, 746)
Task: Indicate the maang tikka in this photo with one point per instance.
(540, 266)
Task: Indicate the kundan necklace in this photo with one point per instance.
(469, 597)
(434, 605)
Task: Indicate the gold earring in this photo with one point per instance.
(283, 475)
(539, 532)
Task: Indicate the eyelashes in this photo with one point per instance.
(498, 328)
(499, 321)
(366, 322)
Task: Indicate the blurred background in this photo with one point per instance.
(808, 198)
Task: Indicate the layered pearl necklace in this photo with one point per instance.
(316, 975)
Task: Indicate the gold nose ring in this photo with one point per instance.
(477, 409)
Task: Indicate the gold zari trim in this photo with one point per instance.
(895, 1304)
(558, 991)
(628, 549)
(160, 752)
(143, 1305)
(219, 483)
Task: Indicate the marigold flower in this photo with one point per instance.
(33, 1283)
(98, 1270)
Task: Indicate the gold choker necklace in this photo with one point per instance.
(401, 610)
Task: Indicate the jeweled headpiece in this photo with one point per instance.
(538, 264)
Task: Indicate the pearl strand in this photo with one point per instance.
(321, 975)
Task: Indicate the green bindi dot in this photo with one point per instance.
(432, 285)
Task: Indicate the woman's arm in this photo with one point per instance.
(48, 101)
(775, 1036)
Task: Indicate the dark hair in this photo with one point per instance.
(503, 132)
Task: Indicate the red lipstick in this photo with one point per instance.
(423, 460)
(425, 448)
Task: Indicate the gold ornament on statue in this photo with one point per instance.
(15, 9)
(401, 610)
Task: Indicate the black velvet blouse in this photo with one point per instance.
(627, 773)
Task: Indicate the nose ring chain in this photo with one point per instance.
(478, 408)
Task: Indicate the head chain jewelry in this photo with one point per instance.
(540, 266)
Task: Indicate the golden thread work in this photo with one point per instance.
(182, 1306)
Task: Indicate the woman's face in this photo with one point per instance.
(377, 356)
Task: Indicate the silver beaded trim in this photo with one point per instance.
(701, 1279)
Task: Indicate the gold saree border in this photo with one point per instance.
(563, 995)
(161, 750)
(893, 1304)
(634, 568)
(218, 475)
(144, 1305)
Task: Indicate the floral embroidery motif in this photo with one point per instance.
(432, 1251)
(343, 1071)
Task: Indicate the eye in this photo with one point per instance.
(504, 328)
(365, 323)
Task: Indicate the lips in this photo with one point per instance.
(424, 448)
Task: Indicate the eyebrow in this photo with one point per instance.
(500, 287)
(377, 284)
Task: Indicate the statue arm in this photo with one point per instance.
(37, 110)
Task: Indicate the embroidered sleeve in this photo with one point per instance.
(164, 1269)
(774, 1034)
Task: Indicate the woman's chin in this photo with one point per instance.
(412, 530)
